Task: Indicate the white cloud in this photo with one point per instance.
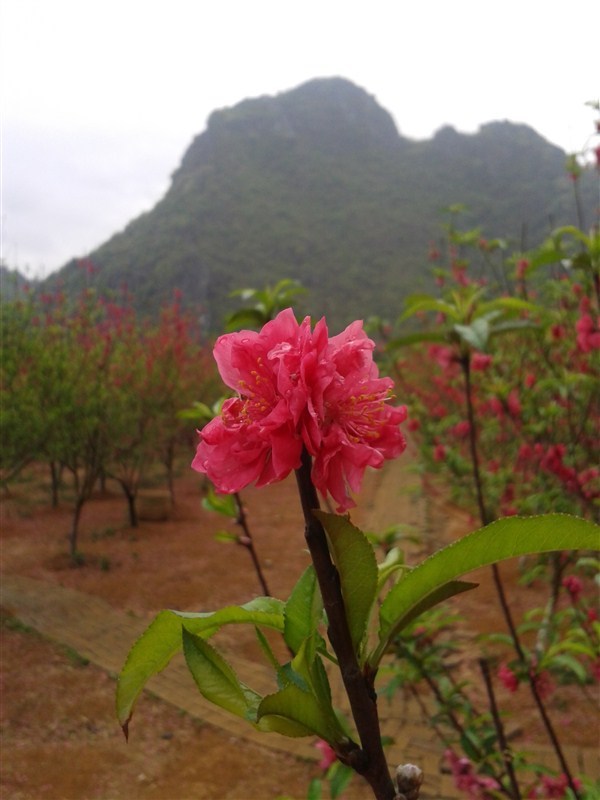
(100, 100)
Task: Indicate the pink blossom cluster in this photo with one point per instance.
(510, 405)
(480, 361)
(588, 333)
(552, 787)
(508, 678)
(543, 682)
(476, 787)
(300, 388)
(585, 483)
(445, 357)
(574, 587)
(523, 265)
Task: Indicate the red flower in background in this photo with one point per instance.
(439, 452)
(588, 334)
(574, 586)
(508, 678)
(522, 267)
(467, 780)
(513, 403)
(461, 429)
(480, 361)
(552, 787)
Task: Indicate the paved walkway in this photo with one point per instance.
(104, 635)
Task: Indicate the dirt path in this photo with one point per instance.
(103, 633)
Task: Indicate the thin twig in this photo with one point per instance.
(505, 750)
(465, 363)
(247, 542)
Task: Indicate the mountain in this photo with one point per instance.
(317, 184)
(13, 284)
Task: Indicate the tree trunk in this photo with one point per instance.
(73, 536)
(131, 496)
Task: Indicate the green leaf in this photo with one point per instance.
(393, 562)
(507, 304)
(314, 790)
(162, 639)
(320, 683)
(199, 412)
(266, 303)
(225, 536)
(287, 674)
(246, 318)
(307, 672)
(510, 326)
(569, 646)
(416, 338)
(303, 610)
(267, 650)
(339, 777)
(216, 679)
(572, 230)
(355, 560)
(546, 255)
(427, 303)
(294, 712)
(300, 668)
(570, 664)
(444, 592)
(505, 538)
(221, 503)
(476, 334)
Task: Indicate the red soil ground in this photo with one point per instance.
(60, 735)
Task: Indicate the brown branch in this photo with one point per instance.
(465, 362)
(369, 760)
(247, 542)
(505, 750)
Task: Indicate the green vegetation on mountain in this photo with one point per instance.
(317, 185)
(12, 284)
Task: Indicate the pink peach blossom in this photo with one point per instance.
(508, 677)
(349, 424)
(255, 438)
(328, 756)
(298, 388)
(480, 361)
(477, 787)
(574, 586)
(522, 267)
(588, 333)
(439, 452)
(552, 787)
(461, 429)
(513, 403)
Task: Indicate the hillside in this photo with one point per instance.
(12, 283)
(317, 184)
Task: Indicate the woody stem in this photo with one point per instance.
(369, 761)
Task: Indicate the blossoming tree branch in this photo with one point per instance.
(314, 404)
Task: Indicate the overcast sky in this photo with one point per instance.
(101, 99)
